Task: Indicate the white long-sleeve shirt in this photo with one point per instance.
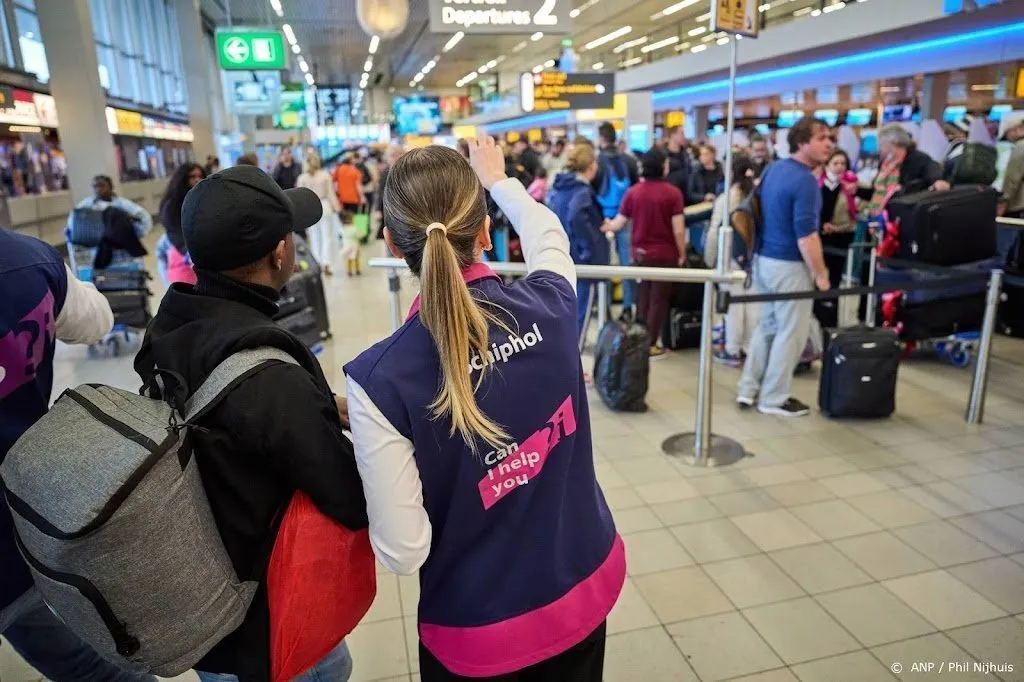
(400, 530)
(86, 315)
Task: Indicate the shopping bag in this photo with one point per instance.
(321, 581)
(361, 221)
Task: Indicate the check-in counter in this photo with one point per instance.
(45, 215)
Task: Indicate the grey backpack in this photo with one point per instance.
(111, 516)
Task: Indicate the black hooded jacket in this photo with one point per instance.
(277, 432)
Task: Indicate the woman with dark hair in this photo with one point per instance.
(171, 252)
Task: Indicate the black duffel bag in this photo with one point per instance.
(622, 365)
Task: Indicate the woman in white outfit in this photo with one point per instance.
(322, 236)
(741, 320)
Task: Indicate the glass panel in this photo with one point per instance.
(32, 53)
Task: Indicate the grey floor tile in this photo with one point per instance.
(912, 657)
(873, 615)
(635, 520)
(856, 483)
(777, 675)
(776, 529)
(631, 611)
(906, 475)
(999, 580)
(608, 477)
(682, 594)
(799, 492)
(944, 543)
(622, 498)
(671, 490)
(819, 467)
(651, 651)
(800, 630)
(409, 591)
(652, 551)
(883, 555)
(993, 487)
(685, 511)
(722, 482)
(996, 529)
(820, 568)
(859, 666)
(375, 653)
(723, 646)
(714, 540)
(834, 519)
(775, 474)
(997, 642)
(644, 470)
(412, 642)
(891, 509)
(744, 502)
(752, 581)
(943, 600)
(387, 605)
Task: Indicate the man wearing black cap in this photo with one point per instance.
(279, 430)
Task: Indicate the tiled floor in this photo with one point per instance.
(835, 552)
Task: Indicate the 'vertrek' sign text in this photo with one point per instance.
(500, 16)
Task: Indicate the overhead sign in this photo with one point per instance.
(741, 17)
(253, 93)
(558, 91)
(500, 16)
(20, 109)
(46, 108)
(250, 49)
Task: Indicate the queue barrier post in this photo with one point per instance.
(979, 383)
(602, 304)
(394, 287)
(872, 306)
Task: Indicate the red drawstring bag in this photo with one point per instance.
(321, 581)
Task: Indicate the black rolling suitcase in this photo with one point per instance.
(682, 330)
(946, 228)
(305, 290)
(858, 373)
(130, 307)
(1011, 309)
(303, 325)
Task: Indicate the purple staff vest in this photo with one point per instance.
(525, 561)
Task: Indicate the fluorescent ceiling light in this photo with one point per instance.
(412, 84)
(491, 64)
(698, 48)
(537, 36)
(368, 65)
(304, 67)
(549, 63)
(309, 78)
(374, 44)
(631, 62)
(296, 49)
(704, 17)
(816, 13)
(618, 33)
(991, 87)
(765, 7)
(723, 41)
(697, 31)
(276, 6)
(628, 44)
(519, 46)
(575, 13)
(833, 8)
(453, 41)
(598, 66)
(483, 69)
(289, 33)
(708, 38)
(672, 9)
(802, 11)
(682, 46)
(659, 44)
(538, 68)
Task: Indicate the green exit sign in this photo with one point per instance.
(250, 50)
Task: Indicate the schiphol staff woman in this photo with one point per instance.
(472, 436)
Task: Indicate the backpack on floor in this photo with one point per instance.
(622, 364)
(112, 518)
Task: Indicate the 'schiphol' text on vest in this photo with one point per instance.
(502, 352)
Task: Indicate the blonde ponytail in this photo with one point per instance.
(425, 187)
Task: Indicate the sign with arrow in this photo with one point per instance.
(740, 17)
(250, 49)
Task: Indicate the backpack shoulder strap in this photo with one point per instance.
(230, 373)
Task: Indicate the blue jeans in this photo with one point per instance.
(624, 248)
(50, 647)
(334, 667)
(781, 334)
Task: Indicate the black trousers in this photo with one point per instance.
(582, 663)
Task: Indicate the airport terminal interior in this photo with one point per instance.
(867, 544)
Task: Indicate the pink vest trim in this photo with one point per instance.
(528, 639)
(473, 273)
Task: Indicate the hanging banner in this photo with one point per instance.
(741, 17)
(20, 109)
(500, 16)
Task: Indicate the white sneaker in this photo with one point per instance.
(744, 403)
(790, 408)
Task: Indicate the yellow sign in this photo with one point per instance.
(534, 135)
(464, 132)
(674, 119)
(618, 111)
(128, 122)
(1020, 83)
(512, 137)
(736, 16)
(559, 91)
(418, 141)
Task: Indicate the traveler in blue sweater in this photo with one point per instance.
(41, 302)
(789, 258)
(472, 436)
(616, 173)
(573, 200)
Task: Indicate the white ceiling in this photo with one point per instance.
(336, 47)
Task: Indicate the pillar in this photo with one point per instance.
(696, 125)
(202, 93)
(247, 127)
(75, 85)
(934, 95)
(639, 123)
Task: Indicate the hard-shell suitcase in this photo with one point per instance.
(934, 319)
(682, 330)
(946, 228)
(981, 268)
(303, 325)
(304, 290)
(130, 307)
(1011, 309)
(858, 373)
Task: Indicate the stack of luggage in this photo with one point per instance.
(303, 305)
(955, 230)
(127, 291)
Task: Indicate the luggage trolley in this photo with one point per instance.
(124, 283)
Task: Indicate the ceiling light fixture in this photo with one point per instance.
(276, 6)
(598, 66)
(698, 48)
(631, 62)
(574, 13)
(538, 68)
(453, 41)
(309, 78)
(802, 11)
(483, 69)
(628, 44)
(618, 33)
(704, 17)
(697, 31)
(374, 44)
(682, 46)
(289, 34)
(296, 49)
(833, 8)
(519, 46)
(368, 65)
(816, 13)
(672, 9)
(659, 44)
(722, 41)
(304, 67)
(549, 64)
(412, 84)
(537, 36)
(491, 64)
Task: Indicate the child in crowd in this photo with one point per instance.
(477, 474)
(538, 189)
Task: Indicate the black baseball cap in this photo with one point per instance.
(238, 215)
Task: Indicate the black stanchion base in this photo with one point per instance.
(721, 452)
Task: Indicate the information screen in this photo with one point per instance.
(417, 115)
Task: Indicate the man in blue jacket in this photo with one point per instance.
(41, 302)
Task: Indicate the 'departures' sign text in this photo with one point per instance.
(500, 16)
